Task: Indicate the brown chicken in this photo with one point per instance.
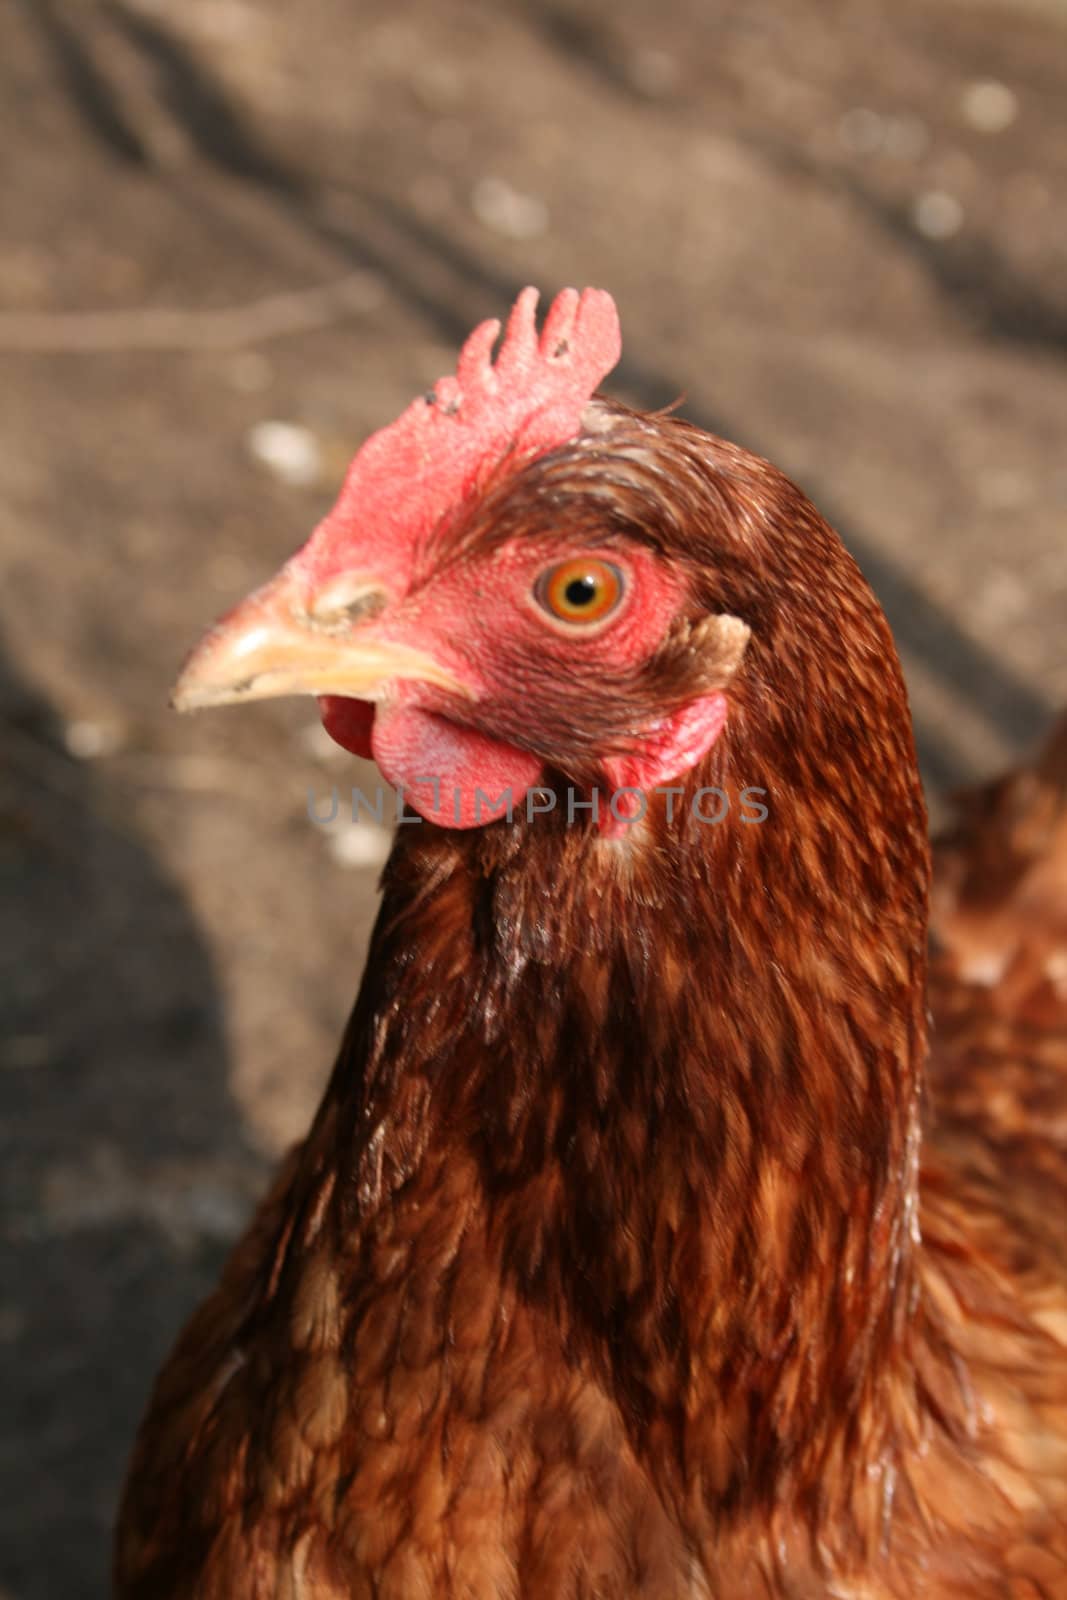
(614, 1263)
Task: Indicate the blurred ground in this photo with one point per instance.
(838, 229)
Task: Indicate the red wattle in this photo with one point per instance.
(453, 776)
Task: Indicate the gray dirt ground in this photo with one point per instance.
(822, 225)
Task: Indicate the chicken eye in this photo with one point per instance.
(581, 590)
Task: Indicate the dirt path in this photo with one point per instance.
(837, 230)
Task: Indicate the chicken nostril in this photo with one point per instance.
(338, 607)
(365, 606)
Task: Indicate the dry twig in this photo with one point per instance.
(159, 328)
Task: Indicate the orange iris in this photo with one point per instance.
(582, 590)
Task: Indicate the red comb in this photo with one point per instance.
(406, 477)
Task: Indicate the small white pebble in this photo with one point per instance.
(861, 131)
(88, 741)
(359, 846)
(937, 215)
(288, 450)
(504, 210)
(989, 106)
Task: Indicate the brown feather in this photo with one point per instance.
(605, 1269)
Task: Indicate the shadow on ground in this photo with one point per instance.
(113, 1109)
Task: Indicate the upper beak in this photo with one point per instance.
(281, 641)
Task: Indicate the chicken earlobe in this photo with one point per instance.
(720, 641)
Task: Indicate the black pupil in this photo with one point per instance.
(581, 591)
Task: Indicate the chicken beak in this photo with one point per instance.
(283, 641)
